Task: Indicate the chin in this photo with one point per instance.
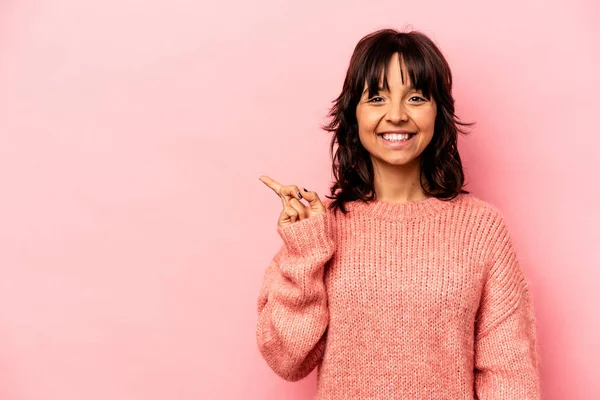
(398, 163)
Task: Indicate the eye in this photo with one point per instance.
(375, 98)
(418, 98)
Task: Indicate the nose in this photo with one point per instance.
(396, 113)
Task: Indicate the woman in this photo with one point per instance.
(403, 284)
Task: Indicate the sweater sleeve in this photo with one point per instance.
(292, 305)
(506, 359)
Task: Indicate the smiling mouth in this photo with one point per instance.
(396, 138)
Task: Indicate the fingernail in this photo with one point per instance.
(305, 190)
(299, 194)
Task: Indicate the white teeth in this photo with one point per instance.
(396, 136)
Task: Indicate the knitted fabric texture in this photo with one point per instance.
(419, 300)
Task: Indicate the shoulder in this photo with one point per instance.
(486, 222)
(493, 231)
(481, 211)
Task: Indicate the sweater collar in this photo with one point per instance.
(398, 211)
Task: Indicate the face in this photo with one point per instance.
(400, 110)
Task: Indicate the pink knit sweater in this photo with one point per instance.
(421, 300)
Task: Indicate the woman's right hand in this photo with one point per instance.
(293, 208)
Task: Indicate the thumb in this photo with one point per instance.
(313, 200)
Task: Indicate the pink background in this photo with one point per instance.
(134, 231)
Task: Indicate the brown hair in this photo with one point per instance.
(429, 72)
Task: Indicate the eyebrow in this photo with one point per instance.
(381, 89)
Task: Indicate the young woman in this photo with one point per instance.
(402, 284)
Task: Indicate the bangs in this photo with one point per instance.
(418, 63)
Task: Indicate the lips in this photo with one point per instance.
(397, 131)
(397, 144)
(410, 136)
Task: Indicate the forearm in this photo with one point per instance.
(292, 309)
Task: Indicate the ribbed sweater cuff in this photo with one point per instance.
(307, 236)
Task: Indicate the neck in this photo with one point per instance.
(398, 184)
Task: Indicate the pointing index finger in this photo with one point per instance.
(275, 186)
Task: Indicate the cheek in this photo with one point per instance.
(367, 122)
(426, 121)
